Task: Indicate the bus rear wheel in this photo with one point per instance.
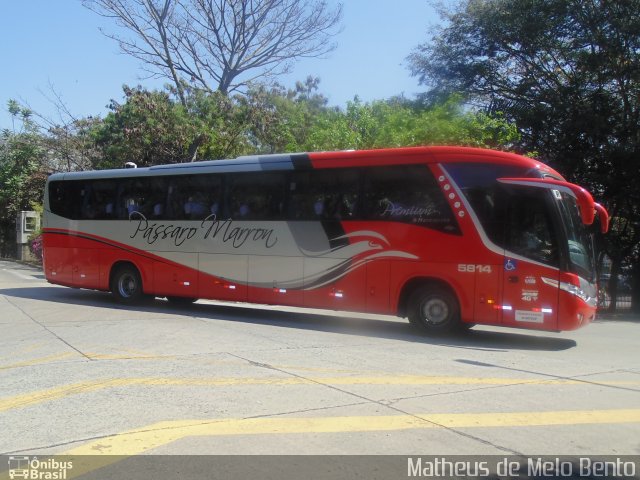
(434, 310)
(126, 284)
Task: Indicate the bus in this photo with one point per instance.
(447, 237)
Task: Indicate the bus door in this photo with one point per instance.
(531, 260)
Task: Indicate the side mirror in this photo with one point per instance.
(603, 215)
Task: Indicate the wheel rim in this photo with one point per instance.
(127, 285)
(435, 311)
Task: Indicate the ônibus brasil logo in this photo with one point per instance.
(32, 468)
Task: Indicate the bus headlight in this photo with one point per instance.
(572, 289)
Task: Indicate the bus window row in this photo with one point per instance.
(403, 193)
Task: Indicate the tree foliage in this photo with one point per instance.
(22, 180)
(150, 127)
(567, 72)
(147, 128)
(398, 122)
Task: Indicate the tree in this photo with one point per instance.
(147, 129)
(21, 176)
(567, 72)
(65, 137)
(151, 127)
(398, 122)
(221, 45)
(281, 119)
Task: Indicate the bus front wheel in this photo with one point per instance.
(434, 310)
(126, 284)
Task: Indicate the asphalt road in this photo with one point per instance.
(80, 374)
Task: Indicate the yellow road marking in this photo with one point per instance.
(138, 441)
(37, 361)
(128, 354)
(32, 398)
(24, 400)
(133, 351)
(122, 356)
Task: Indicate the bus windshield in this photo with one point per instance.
(579, 240)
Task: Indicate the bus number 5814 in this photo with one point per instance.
(471, 268)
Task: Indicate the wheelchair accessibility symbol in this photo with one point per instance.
(510, 265)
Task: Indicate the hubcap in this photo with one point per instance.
(127, 285)
(435, 311)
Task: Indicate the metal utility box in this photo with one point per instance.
(27, 222)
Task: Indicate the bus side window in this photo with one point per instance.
(142, 196)
(175, 201)
(338, 194)
(180, 198)
(193, 197)
(214, 199)
(86, 209)
(101, 200)
(258, 196)
(65, 198)
(490, 203)
(130, 201)
(156, 198)
(195, 206)
(306, 197)
(408, 194)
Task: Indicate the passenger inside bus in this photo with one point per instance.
(195, 208)
(131, 206)
(158, 210)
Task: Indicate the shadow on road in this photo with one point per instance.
(284, 318)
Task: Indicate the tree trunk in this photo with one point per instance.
(193, 147)
(635, 288)
(616, 267)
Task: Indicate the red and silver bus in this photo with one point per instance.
(446, 236)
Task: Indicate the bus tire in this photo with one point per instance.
(126, 285)
(434, 309)
(182, 300)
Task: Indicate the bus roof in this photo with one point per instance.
(319, 160)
